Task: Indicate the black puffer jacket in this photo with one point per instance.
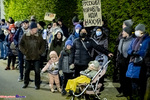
(81, 55)
(65, 61)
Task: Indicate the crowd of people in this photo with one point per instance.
(69, 53)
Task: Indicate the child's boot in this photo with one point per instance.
(59, 89)
(52, 90)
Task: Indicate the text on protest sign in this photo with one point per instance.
(92, 12)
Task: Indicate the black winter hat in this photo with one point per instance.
(75, 19)
(3, 20)
(128, 30)
(41, 23)
(33, 25)
(25, 21)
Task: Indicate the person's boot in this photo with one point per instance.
(37, 87)
(13, 68)
(25, 86)
(7, 68)
(59, 89)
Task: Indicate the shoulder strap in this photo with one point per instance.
(86, 48)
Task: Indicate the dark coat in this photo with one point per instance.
(2, 35)
(81, 55)
(65, 61)
(65, 30)
(9, 53)
(32, 46)
(18, 35)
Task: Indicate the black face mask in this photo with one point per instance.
(83, 35)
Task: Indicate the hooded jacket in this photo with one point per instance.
(52, 67)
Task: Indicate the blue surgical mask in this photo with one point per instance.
(98, 33)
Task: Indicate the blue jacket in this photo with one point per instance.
(18, 36)
(134, 70)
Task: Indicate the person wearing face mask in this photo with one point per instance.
(12, 52)
(123, 62)
(75, 35)
(136, 69)
(126, 23)
(81, 51)
(102, 40)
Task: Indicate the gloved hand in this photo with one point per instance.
(71, 66)
(60, 73)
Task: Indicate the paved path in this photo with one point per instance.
(10, 87)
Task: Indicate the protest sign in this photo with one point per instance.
(92, 13)
(49, 16)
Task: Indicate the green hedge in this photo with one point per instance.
(114, 11)
(23, 9)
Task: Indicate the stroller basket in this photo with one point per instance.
(94, 85)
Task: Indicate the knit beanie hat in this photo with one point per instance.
(3, 20)
(128, 30)
(95, 62)
(33, 25)
(68, 42)
(78, 26)
(75, 19)
(41, 23)
(140, 27)
(53, 54)
(128, 22)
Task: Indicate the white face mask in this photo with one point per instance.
(77, 30)
(12, 31)
(138, 34)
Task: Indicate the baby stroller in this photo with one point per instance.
(93, 88)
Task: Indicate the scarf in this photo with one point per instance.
(10, 38)
(136, 43)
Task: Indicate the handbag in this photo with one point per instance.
(138, 60)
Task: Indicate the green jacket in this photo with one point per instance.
(32, 46)
(58, 48)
